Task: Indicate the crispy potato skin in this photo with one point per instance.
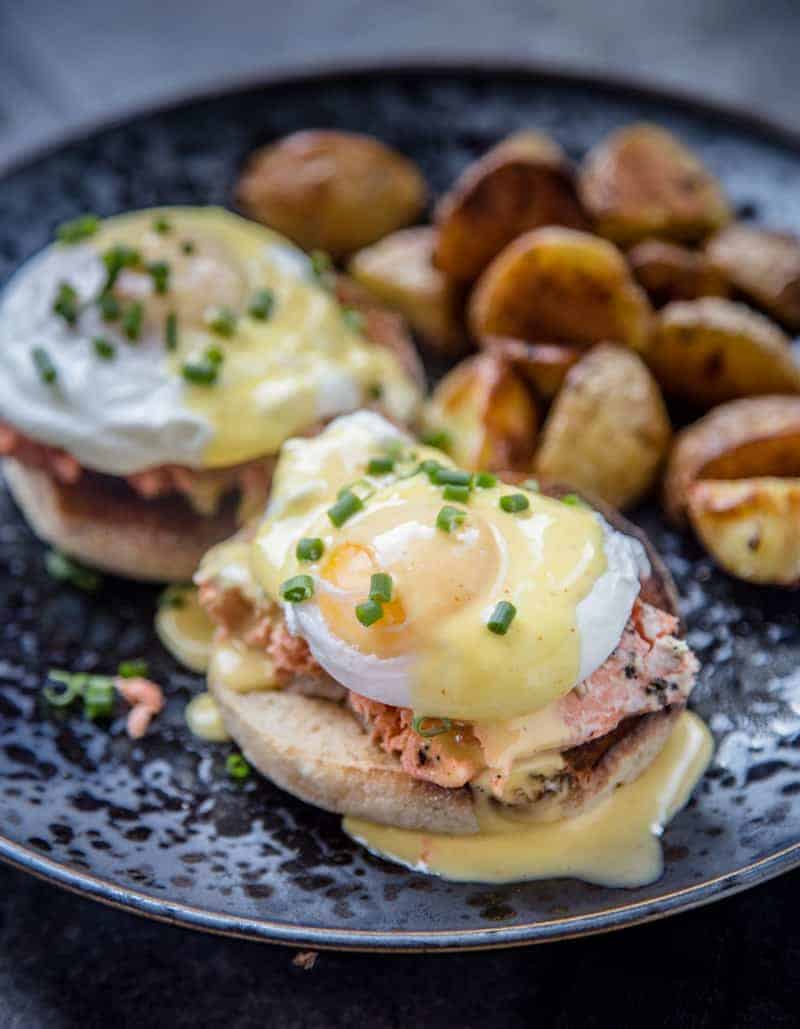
(522, 183)
(398, 270)
(562, 286)
(544, 365)
(712, 350)
(330, 190)
(641, 181)
(757, 436)
(764, 265)
(490, 413)
(608, 430)
(751, 527)
(669, 271)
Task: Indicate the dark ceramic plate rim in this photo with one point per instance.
(190, 916)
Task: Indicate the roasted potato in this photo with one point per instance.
(764, 266)
(332, 191)
(544, 365)
(751, 527)
(563, 286)
(669, 271)
(712, 350)
(608, 430)
(641, 181)
(488, 413)
(398, 271)
(758, 436)
(522, 183)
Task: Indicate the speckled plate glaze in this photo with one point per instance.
(155, 826)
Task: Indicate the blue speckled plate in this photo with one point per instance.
(155, 826)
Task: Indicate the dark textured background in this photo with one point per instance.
(65, 962)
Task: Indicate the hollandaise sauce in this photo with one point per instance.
(185, 629)
(615, 844)
(204, 719)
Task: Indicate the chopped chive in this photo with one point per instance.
(162, 225)
(66, 303)
(532, 485)
(261, 305)
(188, 246)
(237, 768)
(310, 549)
(485, 480)
(173, 597)
(221, 321)
(78, 229)
(375, 391)
(345, 507)
(171, 331)
(104, 348)
(214, 356)
(353, 319)
(380, 588)
(69, 689)
(451, 476)
(98, 697)
(132, 321)
(202, 372)
(118, 257)
(458, 493)
(430, 467)
(362, 488)
(380, 465)
(369, 612)
(321, 263)
(394, 448)
(109, 307)
(439, 438)
(64, 569)
(514, 502)
(449, 518)
(44, 366)
(159, 272)
(419, 727)
(501, 618)
(297, 589)
(573, 500)
(134, 669)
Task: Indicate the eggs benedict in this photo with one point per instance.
(151, 366)
(457, 664)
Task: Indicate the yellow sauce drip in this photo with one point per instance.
(615, 844)
(240, 668)
(204, 719)
(186, 630)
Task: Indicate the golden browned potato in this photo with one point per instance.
(764, 265)
(398, 271)
(544, 365)
(330, 190)
(562, 286)
(712, 350)
(488, 414)
(751, 527)
(757, 436)
(608, 430)
(641, 181)
(523, 182)
(669, 271)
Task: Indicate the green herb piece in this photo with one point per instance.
(109, 307)
(297, 589)
(362, 488)
(380, 587)
(380, 466)
(321, 263)
(449, 518)
(173, 596)
(345, 507)
(439, 438)
(70, 688)
(237, 768)
(451, 476)
(514, 502)
(159, 272)
(369, 612)
(222, 322)
(501, 618)
(132, 321)
(44, 366)
(375, 391)
(115, 259)
(135, 669)
(171, 331)
(98, 697)
(205, 371)
(353, 319)
(64, 569)
(162, 225)
(66, 303)
(573, 500)
(104, 348)
(418, 725)
(431, 468)
(310, 549)
(458, 493)
(188, 246)
(261, 305)
(78, 229)
(485, 480)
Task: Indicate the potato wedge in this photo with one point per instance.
(608, 430)
(330, 190)
(764, 265)
(669, 271)
(399, 272)
(488, 412)
(750, 527)
(544, 365)
(712, 350)
(641, 181)
(758, 436)
(522, 183)
(562, 286)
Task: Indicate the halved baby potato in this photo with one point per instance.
(561, 285)
(330, 190)
(750, 527)
(764, 265)
(523, 182)
(398, 270)
(712, 350)
(750, 438)
(488, 413)
(641, 181)
(608, 430)
(669, 271)
(544, 365)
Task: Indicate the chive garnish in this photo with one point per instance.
(430, 467)
(98, 697)
(104, 348)
(109, 307)
(451, 476)
(236, 767)
(159, 272)
(162, 225)
(439, 438)
(64, 569)
(66, 303)
(70, 688)
(419, 727)
(174, 597)
(455, 492)
(369, 612)
(449, 518)
(44, 366)
(375, 391)
(221, 321)
(380, 465)
(97, 692)
(353, 319)
(188, 246)
(380, 588)
(297, 589)
(573, 500)
(501, 618)
(485, 480)
(78, 229)
(132, 321)
(205, 371)
(321, 263)
(171, 331)
(514, 502)
(310, 549)
(133, 669)
(261, 305)
(118, 257)
(345, 507)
